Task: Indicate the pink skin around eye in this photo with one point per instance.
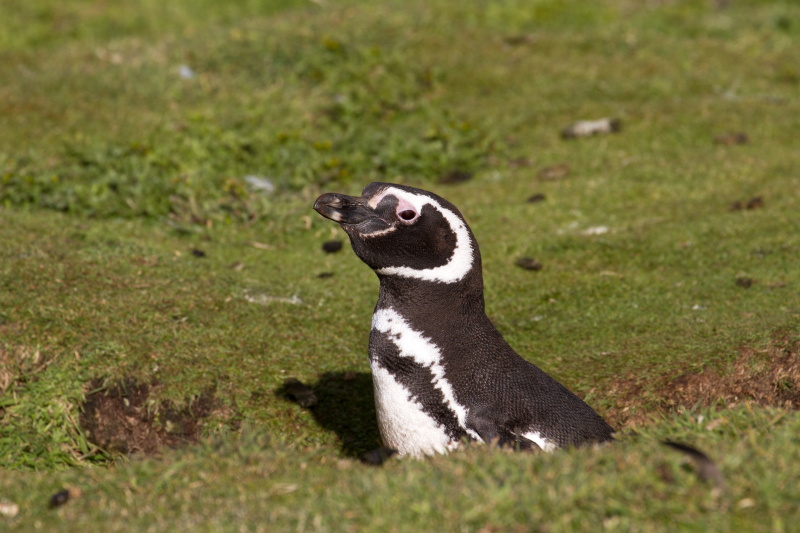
(405, 205)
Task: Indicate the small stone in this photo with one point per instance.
(186, 72)
(587, 128)
(519, 39)
(528, 263)
(59, 498)
(536, 198)
(332, 246)
(198, 253)
(260, 184)
(9, 509)
(745, 503)
(595, 230)
(755, 203)
(730, 139)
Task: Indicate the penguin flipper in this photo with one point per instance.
(491, 432)
(479, 422)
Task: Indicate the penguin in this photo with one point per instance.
(442, 373)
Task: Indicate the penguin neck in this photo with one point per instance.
(433, 298)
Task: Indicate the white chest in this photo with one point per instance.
(403, 423)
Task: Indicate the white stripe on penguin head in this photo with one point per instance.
(459, 263)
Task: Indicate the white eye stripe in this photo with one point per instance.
(386, 231)
(459, 263)
(416, 201)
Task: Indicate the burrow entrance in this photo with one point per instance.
(764, 377)
(123, 419)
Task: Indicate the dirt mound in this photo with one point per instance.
(768, 377)
(122, 419)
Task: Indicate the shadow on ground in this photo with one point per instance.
(341, 402)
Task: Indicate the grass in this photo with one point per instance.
(137, 246)
(262, 484)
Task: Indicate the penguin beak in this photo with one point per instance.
(343, 209)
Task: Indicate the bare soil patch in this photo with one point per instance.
(766, 377)
(122, 419)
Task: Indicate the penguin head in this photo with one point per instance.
(405, 232)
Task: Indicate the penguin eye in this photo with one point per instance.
(407, 215)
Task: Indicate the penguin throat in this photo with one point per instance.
(434, 301)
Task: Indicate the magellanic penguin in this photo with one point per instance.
(442, 373)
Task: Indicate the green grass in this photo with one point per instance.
(114, 168)
(263, 484)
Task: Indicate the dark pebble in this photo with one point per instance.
(538, 197)
(517, 40)
(755, 203)
(332, 246)
(528, 263)
(59, 498)
(730, 139)
(198, 253)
